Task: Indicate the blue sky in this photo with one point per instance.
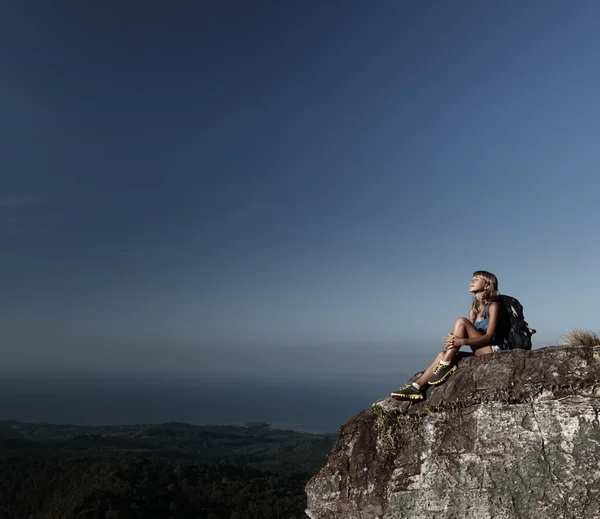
(300, 187)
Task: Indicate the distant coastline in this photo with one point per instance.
(305, 405)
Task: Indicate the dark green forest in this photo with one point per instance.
(164, 471)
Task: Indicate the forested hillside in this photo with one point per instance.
(156, 471)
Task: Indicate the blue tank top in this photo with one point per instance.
(482, 325)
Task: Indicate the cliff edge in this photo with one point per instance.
(511, 435)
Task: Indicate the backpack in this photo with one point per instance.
(518, 334)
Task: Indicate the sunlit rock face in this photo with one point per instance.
(509, 435)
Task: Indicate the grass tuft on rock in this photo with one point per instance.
(578, 337)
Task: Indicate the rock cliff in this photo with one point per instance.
(510, 435)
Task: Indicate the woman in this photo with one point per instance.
(482, 331)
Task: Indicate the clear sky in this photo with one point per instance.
(303, 187)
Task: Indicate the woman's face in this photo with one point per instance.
(477, 284)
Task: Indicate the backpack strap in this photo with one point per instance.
(486, 311)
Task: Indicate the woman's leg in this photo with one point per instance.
(410, 392)
(464, 329)
(423, 379)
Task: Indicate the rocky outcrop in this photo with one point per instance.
(510, 435)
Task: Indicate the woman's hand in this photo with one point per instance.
(452, 341)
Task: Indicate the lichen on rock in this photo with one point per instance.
(510, 435)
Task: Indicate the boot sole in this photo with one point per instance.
(408, 397)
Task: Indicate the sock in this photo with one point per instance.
(417, 386)
(445, 362)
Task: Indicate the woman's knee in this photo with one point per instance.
(461, 325)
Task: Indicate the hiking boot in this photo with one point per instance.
(408, 392)
(441, 373)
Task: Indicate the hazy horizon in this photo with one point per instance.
(309, 405)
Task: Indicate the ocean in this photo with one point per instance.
(300, 403)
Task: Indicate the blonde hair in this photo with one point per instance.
(490, 293)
